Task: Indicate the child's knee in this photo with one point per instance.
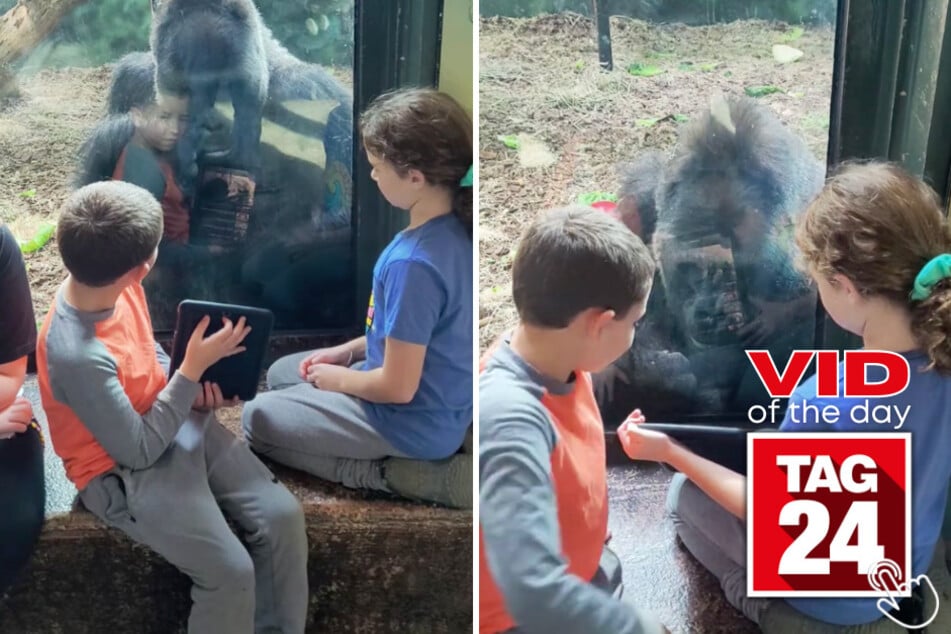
(231, 571)
(257, 425)
(284, 519)
(284, 372)
(675, 495)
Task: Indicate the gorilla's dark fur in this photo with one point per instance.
(208, 48)
(718, 216)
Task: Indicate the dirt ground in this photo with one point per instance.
(40, 135)
(539, 80)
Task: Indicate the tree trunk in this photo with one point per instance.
(23, 27)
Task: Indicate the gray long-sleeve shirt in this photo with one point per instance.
(518, 511)
(101, 369)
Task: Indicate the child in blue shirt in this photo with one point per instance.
(879, 249)
(411, 395)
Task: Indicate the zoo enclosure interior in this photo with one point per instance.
(571, 123)
(305, 244)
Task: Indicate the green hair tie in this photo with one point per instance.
(934, 271)
(467, 179)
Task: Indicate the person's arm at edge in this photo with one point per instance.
(12, 375)
(723, 485)
(726, 487)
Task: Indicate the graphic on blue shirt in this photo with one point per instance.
(369, 314)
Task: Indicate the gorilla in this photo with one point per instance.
(201, 48)
(718, 215)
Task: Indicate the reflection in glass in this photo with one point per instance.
(248, 146)
(707, 136)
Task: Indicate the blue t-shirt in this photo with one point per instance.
(928, 399)
(422, 294)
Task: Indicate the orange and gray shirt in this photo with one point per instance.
(141, 166)
(543, 505)
(104, 389)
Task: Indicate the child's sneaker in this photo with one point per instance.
(447, 482)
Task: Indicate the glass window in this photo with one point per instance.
(704, 126)
(250, 150)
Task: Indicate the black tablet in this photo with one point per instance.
(237, 375)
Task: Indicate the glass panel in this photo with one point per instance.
(256, 212)
(704, 126)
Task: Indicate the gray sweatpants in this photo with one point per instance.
(717, 539)
(177, 507)
(326, 434)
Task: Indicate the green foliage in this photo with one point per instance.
(761, 91)
(106, 29)
(644, 70)
(319, 31)
(792, 34)
(691, 12)
(510, 141)
(589, 198)
(38, 241)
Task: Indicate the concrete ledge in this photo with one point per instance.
(375, 564)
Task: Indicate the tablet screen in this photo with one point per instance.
(237, 375)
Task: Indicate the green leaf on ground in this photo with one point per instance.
(510, 141)
(30, 193)
(792, 35)
(681, 118)
(646, 123)
(761, 91)
(590, 198)
(39, 240)
(644, 70)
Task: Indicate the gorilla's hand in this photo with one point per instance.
(773, 319)
(652, 369)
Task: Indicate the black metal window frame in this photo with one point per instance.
(396, 43)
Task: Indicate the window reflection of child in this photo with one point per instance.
(146, 161)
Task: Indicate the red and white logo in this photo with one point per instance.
(824, 510)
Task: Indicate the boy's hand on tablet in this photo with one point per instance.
(337, 355)
(640, 443)
(211, 398)
(203, 352)
(16, 418)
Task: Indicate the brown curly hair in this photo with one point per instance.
(426, 130)
(878, 225)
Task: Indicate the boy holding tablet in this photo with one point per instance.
(146, 452)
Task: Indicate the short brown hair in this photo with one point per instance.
(106, 229)
(575, 258)
(878, 225)
(426, 130)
